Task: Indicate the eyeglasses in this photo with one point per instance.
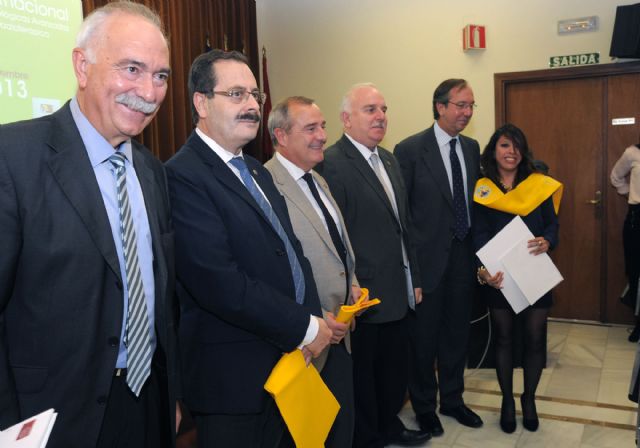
(241, 95)
(464, 106)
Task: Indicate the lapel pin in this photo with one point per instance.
(255, 173)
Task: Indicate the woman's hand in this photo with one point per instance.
(494, 281)
(538, 246)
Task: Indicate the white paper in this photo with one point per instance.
(31, 435)
(535, 275)
(492, 255)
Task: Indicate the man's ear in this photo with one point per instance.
(80, 66)
(346, 119)
(200, 103)
(281, 136)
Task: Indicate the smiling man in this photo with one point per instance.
(296, 125)
(440, 169)
(86, 297)
(246, 290)
(366, 182)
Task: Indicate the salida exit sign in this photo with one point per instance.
(574, 59)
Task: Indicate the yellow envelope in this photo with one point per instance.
(348, 312)
(307, 405)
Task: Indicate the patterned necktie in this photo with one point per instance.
(461, 224)
(296, 269)
(137, 338)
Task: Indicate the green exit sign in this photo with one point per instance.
(574, 59)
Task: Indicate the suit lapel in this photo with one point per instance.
(433, 160)
(365, 170)
(291, 190)
(343, 229)
(224, 174)
(468, 160)
(72, 170)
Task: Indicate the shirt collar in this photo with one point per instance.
(366, 152)
(225, 155)
(98, 148)
(442, 137)
(295, 171)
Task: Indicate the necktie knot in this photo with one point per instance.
(239, 163)
(452, 144)
(117, 160)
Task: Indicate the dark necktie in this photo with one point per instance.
(137, 338)
(331, 224)
(461, 224)
(296, 269)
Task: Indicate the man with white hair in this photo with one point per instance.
(86, 277)
(366, 182)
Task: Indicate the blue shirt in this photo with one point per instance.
(99, 151)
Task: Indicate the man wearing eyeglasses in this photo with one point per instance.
(246, 290)
(440, 168)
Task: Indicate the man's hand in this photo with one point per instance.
(338, 329)
(418, 295)
(323, 338)
(355, 294)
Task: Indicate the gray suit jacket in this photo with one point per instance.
(328, 270)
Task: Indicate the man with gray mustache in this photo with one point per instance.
(86, 249)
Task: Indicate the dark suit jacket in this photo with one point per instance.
(373, 228)
(60, 288)
(430, 199)
(234, 282)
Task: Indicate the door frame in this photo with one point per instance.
(502, 81)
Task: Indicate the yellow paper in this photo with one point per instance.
(348, 312)
(306, 404)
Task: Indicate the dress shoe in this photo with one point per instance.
(408, 437)
(464, 415)
(508, 416)
(430, 423)
(529, 414)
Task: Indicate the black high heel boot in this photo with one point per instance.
(635, 334)
(508, 415)
(529, 414)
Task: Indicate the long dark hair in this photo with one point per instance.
(488, 159)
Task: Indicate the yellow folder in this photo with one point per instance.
(348, 312)
(306, 404)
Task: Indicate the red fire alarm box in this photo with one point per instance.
(473, 37)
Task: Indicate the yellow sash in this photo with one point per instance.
(523, 199)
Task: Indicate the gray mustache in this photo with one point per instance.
(136, 103)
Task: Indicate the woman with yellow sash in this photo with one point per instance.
(512, 187)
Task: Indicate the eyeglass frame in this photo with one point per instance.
(464, 106)
(257, 95)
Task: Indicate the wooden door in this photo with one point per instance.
(566, 115)
(623, 102)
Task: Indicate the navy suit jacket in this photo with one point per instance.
(431, 201)
(234, 282)
(61, 299)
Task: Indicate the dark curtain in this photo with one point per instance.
(228, 24)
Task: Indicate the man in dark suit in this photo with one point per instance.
(366, 183)
(296, 125)
(86, 277)
(246, 290)
(440, 169)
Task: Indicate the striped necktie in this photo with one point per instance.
(137, 338)
(296, 269)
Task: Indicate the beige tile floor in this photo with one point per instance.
(582, 397)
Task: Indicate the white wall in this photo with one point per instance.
(319, 48)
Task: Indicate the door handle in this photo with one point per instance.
(597, 200)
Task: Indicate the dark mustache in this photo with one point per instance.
(249, 116)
